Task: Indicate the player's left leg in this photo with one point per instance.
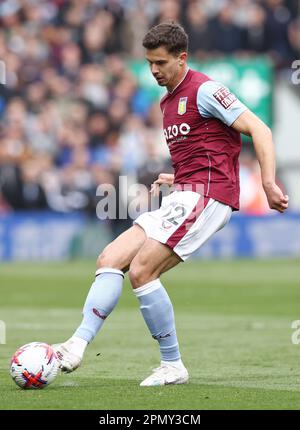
(151, 261)
(184, 222)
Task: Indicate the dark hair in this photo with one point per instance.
(168, 34)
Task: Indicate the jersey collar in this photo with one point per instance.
(179, 83)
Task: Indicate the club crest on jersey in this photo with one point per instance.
(182, 105)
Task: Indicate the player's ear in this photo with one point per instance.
(182, 58)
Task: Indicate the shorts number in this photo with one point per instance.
(180, 213)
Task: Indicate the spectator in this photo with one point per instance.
(277, 21)
(199, 30)
(227, 37)
(71, 105)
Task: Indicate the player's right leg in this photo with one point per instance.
(103, 295)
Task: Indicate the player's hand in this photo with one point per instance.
(163, 178)
(276, 199)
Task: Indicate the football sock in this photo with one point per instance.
(101, 300)
(157, 310)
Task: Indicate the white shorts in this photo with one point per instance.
(185, 221)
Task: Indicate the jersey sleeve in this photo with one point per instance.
(214, 100)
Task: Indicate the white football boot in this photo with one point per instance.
(69, 355)
(166, 374)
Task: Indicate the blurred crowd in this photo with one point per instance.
(70, 110)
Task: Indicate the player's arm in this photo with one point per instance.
(215, 100)
(248, 123)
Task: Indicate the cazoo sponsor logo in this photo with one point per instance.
(173, 131)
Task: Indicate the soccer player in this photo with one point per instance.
(202, 123)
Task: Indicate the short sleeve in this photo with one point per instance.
(214, 100)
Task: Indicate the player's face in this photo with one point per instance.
(166, 68)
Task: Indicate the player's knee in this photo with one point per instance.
(105, 259)
(135, 277)
(101, 260)
(138, 275)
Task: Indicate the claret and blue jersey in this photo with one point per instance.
(197, 119)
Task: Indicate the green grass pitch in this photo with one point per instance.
(233, 321)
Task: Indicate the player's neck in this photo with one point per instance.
(178, 81)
